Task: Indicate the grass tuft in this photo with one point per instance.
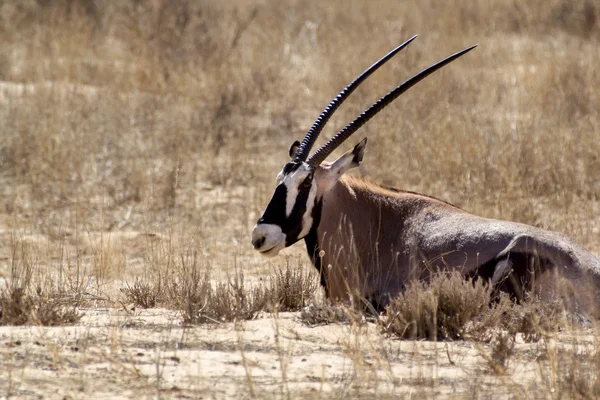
(440, 309)
(201, 301)
(293, 287)
(450, 307)
(142, 294)
(18, 307)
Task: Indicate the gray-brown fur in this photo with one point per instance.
(375, 240)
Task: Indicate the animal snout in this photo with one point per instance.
(268, 239)
(258, 240)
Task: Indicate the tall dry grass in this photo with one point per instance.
(121, 115)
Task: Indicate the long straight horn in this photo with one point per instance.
(315, 130)
(352, 127)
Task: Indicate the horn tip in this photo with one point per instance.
(468, 49)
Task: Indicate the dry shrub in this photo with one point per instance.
(534, 318)
(236, 299)
(143, 294)
(452, 307)
(440, 309)
(293, 287)
(201, 301)
(23, 299)
(17, 307)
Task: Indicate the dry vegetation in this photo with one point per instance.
(140, 141)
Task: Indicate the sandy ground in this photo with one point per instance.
(115, 354)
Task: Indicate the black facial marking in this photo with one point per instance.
(312, 245)
(275, 212)
(291, 226)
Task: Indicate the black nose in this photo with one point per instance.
(258, 242)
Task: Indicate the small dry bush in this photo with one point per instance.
(18, 307)
(452, 307)
(142, 294)
(440, 309)
(293, 287)
(534, 318)
(202, 302)
(23, 299)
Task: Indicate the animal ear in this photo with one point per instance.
(294, 148)
(349, 160)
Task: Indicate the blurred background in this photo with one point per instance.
(172, 118)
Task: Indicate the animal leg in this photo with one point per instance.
(503, 268)
(512, 275)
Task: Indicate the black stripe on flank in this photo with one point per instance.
(312, 245)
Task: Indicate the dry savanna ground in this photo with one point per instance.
(140, 140)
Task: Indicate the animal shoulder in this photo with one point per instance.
(365, 185)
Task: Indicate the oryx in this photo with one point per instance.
(370, 240)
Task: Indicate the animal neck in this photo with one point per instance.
(341, 197)
(312, 242)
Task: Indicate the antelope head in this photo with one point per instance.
(301, 184)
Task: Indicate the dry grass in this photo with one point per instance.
(293, 287)
(142, 294)
(204, 300)
(19, 308)
(139, 144)
(231, 300)
(28, 300)
(581, 377)
(440, 309)
(153, 133)
(450, 307)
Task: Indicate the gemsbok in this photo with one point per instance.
(369, 240)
